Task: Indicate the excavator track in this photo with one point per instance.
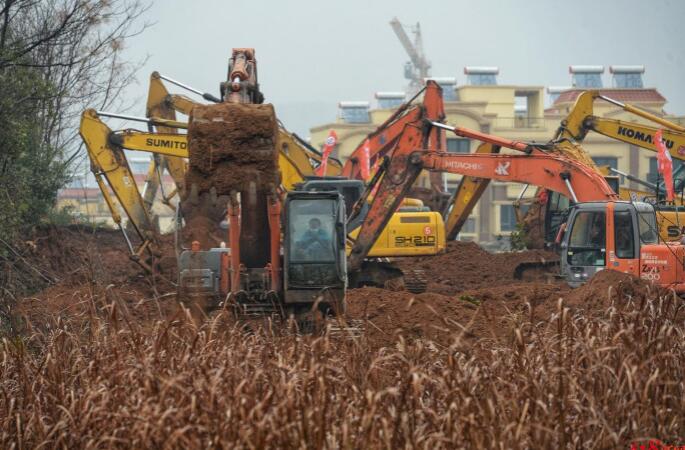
(415, 281)
(529, 270)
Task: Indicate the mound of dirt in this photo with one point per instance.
(472, 299)
(230, 145)
(465, 265)
(478, 315)
(73, 267)
(609, 285)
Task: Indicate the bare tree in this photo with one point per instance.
(57, 57)
(74, 48)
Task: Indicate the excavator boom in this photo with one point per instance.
(581, 120)
(555, 172)
(383, 140)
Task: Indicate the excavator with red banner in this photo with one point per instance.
(381, 142)
(601, 232)
(567, 141)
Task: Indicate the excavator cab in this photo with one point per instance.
(412, 231)
(314, 260)
(620, 236)
(556, 210)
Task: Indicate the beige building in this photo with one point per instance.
(84, 200)
(513, 112)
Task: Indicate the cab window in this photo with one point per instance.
(587, 241)
(646, 223)
(312, 231)
(624, 234)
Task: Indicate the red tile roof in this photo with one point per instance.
(622, 95)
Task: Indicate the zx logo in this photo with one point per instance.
(503, 168)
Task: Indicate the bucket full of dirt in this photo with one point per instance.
(231, 145)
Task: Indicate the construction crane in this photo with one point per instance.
(417, 69)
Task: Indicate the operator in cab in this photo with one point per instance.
(316, 242)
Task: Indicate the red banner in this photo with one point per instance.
(665, 165)
(328, 147)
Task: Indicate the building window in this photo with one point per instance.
(389, 103)
(449, 94)
(482, 79)
(355, 114)
(628, 80)
(587, 80)
(653, 175)
(602, 161)
(459, 145)
(469, 226)
(507, 218)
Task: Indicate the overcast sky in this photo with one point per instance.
(313, 53)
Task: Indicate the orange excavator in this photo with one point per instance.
(284, 253)
(601, 232)
(383, 140)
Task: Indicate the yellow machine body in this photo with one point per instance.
(409, 234)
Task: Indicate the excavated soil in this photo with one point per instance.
(465, 265)
(231, 145)
(472, 296)
(488, 314)
(232, 148)
(75, 269)
(534, 224)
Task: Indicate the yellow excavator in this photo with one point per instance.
(581, 120)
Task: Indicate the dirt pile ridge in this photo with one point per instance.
(465, 265)
(81, 266)
(476, 315)
(473, 298)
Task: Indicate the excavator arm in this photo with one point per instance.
(466, 196)
(555, 172)
(582, 120)
(384, 139)
(160, 103)
(106, 151)
(108, 163)
(634, 134)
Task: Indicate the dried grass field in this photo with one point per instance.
(108, 365)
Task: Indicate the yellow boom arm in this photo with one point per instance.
(108, 162)
(582, 120)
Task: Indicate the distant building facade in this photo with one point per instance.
(83, 198)
(518, 113)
